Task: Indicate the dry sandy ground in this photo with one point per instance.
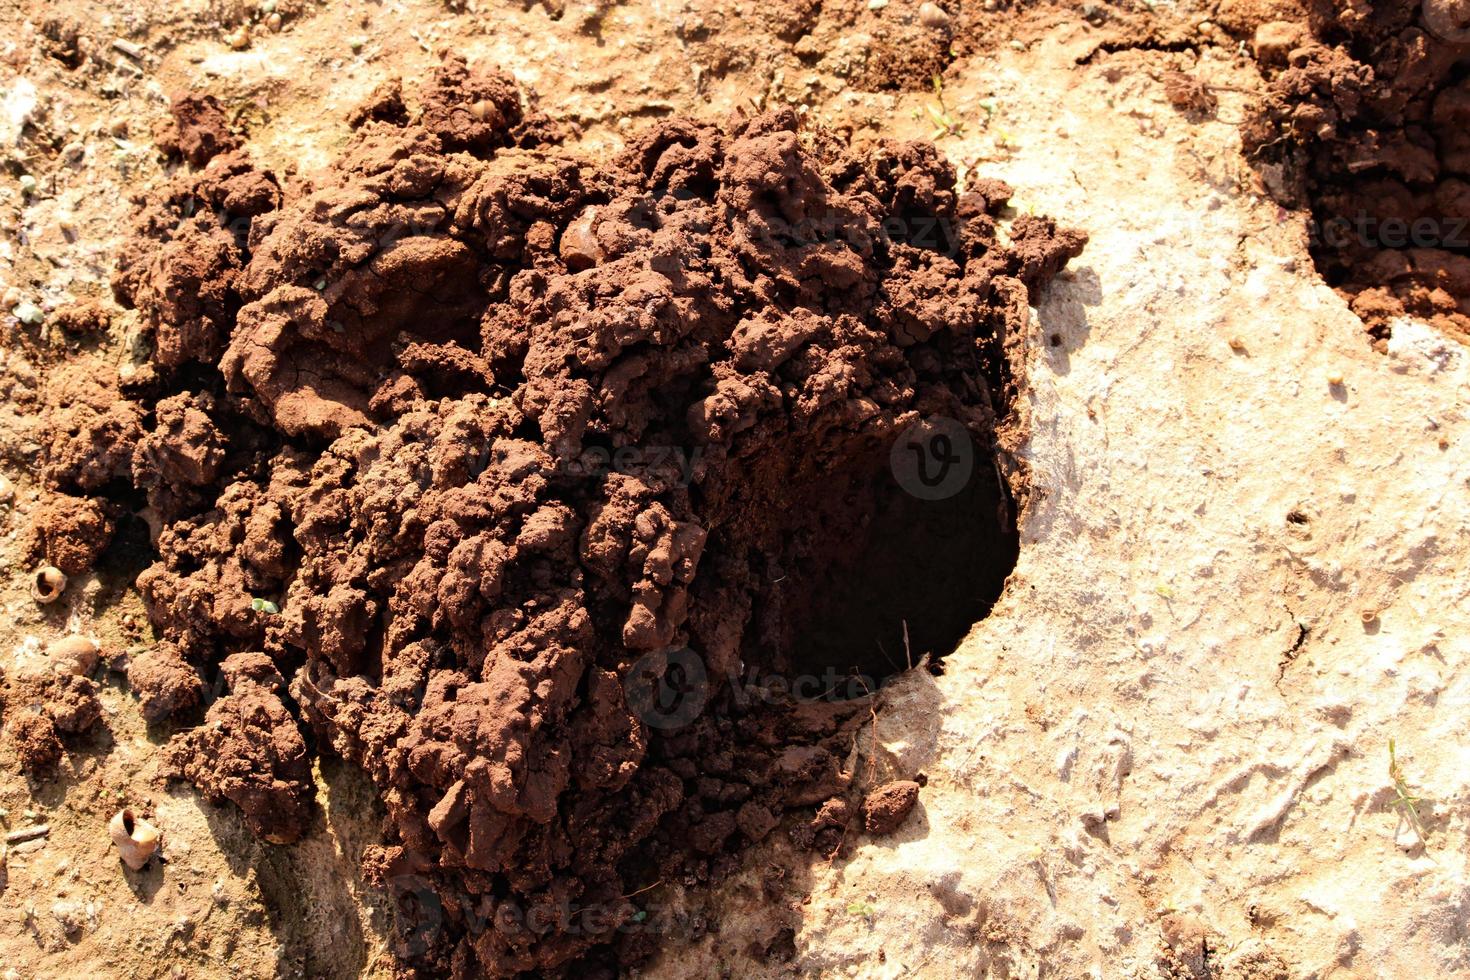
(1165, 753)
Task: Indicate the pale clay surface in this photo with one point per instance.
(1172, 730)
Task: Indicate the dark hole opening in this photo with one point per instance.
(924, 557)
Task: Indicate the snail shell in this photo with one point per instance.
(136, 839)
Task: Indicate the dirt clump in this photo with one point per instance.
(70, 532)
(91, 429)
(529, 471)
(1364, 123)
(886, 808)
(44, 706)
(198, 130)
(34, 738)
(165, 683)
(248, 751)
(86, 319)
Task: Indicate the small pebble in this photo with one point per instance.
(27, 312)
(128, 48)
(932, 16)
(27, 184)
(75, 654)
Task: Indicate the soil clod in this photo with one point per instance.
(886, 808)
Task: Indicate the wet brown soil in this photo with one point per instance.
(1365, 122)
(566, 498)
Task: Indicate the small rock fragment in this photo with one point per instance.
(124, 46)
(1275, 40)
(75, 654)
(579, 246)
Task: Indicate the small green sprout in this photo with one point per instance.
(944, 123)
(265, 606)
(865, 909)
(1405, 802)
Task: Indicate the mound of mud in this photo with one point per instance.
(1369, 112)
(529, 483)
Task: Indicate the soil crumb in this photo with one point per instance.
(1365, 122)
(518, 480)
(199, 130)
(887, 807)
